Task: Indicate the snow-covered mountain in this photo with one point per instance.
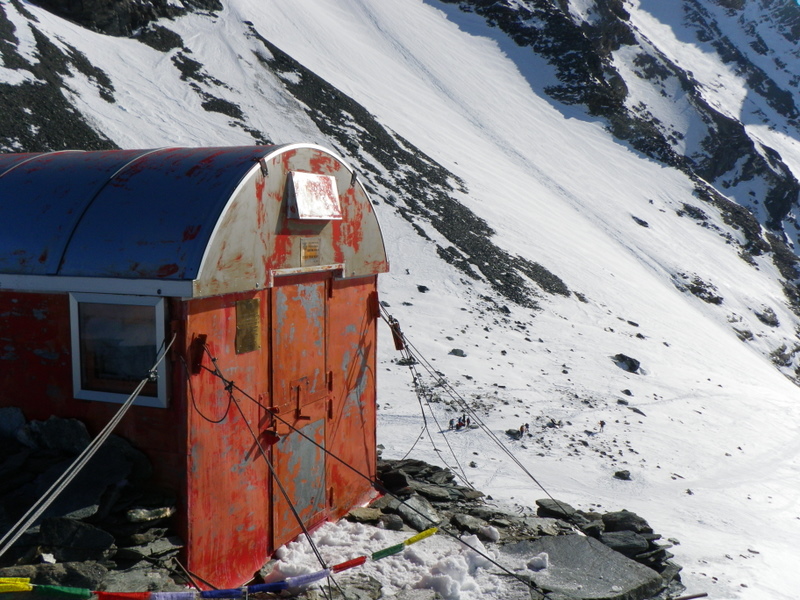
(560, 184)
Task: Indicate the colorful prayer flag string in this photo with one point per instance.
(353, 562)
(230, 593)
(22, 584)
(123, 595)
(301, 580)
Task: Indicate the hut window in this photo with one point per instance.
(115, 342)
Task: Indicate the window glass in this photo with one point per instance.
(118, 347)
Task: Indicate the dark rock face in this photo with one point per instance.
(121, 17)
(36, 116)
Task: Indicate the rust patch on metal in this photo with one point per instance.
(191, 232)
(167, 270)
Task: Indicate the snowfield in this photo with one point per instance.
(707, 427)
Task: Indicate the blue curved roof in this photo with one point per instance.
(185, 222)
(118, 213)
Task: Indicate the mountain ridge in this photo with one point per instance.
(537, 237)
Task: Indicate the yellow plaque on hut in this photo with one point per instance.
(248, 326)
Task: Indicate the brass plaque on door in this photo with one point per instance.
(248, 326)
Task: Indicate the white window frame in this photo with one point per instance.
(75, 300)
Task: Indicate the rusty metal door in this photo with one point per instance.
(300, 394)
(299, 329)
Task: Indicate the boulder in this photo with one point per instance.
(418, 513)
(395, 480)
(628, 543)
(549, 507)
(625, 520)
(147, 536)
(582, 568)
(626, 363)
(69, 540)
(364, 514)
(437, 493)
(468, 523)
(391, 522)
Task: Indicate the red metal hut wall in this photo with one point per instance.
(267, 261)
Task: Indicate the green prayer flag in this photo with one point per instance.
(66, 592)
(388, 551)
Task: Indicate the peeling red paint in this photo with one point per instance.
(167, 270)
(191, 232)
(323, 163)
(261, 211)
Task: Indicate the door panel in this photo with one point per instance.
(300, 394)
(299, 343)
(300, 468)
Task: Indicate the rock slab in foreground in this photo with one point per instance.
(583, 568)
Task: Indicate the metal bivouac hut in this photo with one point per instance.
(259, 266)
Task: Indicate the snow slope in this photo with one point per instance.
(713, 450)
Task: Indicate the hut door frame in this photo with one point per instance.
(300, 393)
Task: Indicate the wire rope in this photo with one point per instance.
(229, 387)
(416, 355)
(230, 384)
(421, 391)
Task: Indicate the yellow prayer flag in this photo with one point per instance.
(16, 586)
(421, 536)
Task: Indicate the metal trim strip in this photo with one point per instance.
(302, 271)
(99, 285)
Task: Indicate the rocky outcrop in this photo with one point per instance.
(110, 527)
(36, 114)
(615, 555)
(122, 17)
(392, 167)
(110, 530)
